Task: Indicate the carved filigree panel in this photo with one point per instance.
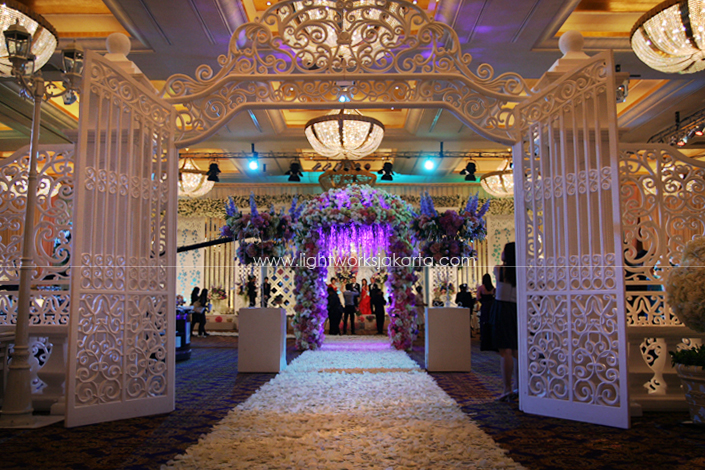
(571, 296)
(662, 199)
(100, 358)
(401, 57)
(123, 309)
(51, 233)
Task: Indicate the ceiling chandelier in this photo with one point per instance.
(359, 29)
(192, 181)
(671, 36)
(44, 37)
(499, 183)
(344, 135)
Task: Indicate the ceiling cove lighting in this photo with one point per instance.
(346, 134)
(670, 37)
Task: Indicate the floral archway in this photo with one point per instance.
(370, 222)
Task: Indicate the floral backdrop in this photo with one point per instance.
(352, 209)
(215, 208)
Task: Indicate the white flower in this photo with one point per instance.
(355, 403)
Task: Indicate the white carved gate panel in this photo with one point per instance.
(663, 199)
(122, 322)
(572, 337)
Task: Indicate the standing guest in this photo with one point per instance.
(504, 319)
(377, 302)
(365, 308)
(485, 294)
(266, 292)
(252, 289)
(420, 308)
(335, 309)
(350, 296)
(200, 307)
(466, 300)
(195, 293)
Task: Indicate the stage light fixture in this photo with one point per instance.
(213, 172)
(469, 171)
(429, 164)
(294, 172)
(387, 171)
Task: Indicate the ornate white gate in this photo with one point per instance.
(572, 338)
(122, 321)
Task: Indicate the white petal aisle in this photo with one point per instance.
(354, 404)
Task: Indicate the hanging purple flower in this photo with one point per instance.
(253, 205)
(231, 208)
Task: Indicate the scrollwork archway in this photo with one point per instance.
(304, 54)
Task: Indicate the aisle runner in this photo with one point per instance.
(354, 404)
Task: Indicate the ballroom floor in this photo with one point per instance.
(208, 386)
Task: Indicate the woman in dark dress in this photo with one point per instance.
(504, 320)
(195, 294)
(252, 290)
(335, 309)
(485, 294)
(377, 303)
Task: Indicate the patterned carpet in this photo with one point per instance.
(208, 386)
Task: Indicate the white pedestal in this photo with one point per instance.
(262, 340)
(448, 339)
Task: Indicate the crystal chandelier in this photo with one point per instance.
(44, 37)
(359, 29)
(499, 183)
(671, 36)
(192, 181)
(344, 135)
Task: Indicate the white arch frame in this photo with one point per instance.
(407, 61)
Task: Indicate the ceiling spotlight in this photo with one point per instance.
(252, 163)
(213, 172)
(699, 131)
(429, 164)
(327, 166)
(682, 142)
(316, 167)
(368, 166)
(469, 171)
(387, 171)
(294, 171)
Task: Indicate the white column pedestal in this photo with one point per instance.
(448, 339)
(262, 340)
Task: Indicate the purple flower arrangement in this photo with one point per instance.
(451, 233)
(261, 235)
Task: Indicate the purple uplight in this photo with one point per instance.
(365, 240)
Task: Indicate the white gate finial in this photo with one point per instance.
(118, 46)
(571, 45)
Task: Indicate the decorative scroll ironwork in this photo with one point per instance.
(663, 201)
(571, 298)
(373, 52)
(122, 318)
(52, 233)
